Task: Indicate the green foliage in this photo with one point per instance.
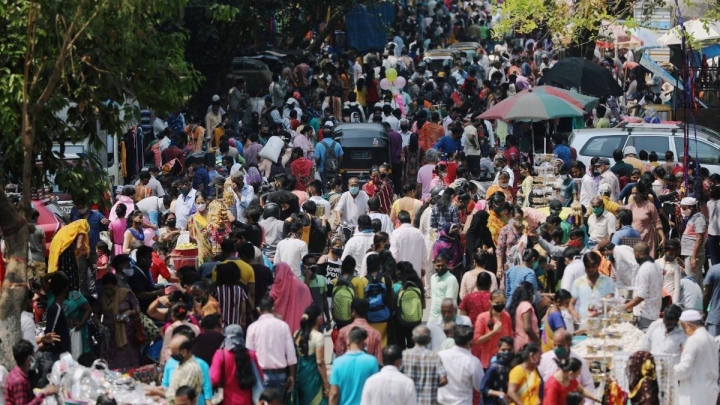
(78, 55)
(85, 181)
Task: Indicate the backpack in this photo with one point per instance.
(343, 294)
(332, 165)
(410, 311)
(376, 293)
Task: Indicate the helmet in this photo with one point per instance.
(436, 192)
(271, 210)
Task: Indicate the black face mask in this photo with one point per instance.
(337, 252)
(178, 357)
(404, 128)
(498, 307)
(171, 223)
(595, 173)
(441, 271)
(383, 175)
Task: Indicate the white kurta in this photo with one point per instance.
(697, 372)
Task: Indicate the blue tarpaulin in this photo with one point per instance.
(653, 67)
(368, 26)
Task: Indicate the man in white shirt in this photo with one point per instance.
(292, 249)
(407, 244)
(609, 178)
(184, 204)
(314, 190)
(574, 268)
(647, 297)
(464, 370)
(243, 195)
(588, 186)
(449, 313)
(386, 224)
(625, 265)
(691, 295)
(665, 335)
(697, 371)
(360, 242)
(601, 223)
(672, 273)
(152, 207)
(27, 320)
(548, 365)
(352, 204)
(389, 386)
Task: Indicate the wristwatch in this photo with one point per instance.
(502, 396)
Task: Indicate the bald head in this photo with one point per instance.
(562, 338)
(448, 309)
(421, 335)
(641, 249)
(182, 345)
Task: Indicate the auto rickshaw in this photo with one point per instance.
(364, 145)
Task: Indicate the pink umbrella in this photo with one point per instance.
(532, 106)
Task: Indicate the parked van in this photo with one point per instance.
(660, 138)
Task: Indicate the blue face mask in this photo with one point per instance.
(536, 264)
(354, 190)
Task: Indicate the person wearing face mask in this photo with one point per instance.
(169, 234)
(405, 132)
(17, 386)
(184, 204)
(601, 224)
(134, 236)
(380, 187)
(503, 186)
(188, 372)
(566, 185)
(697, 370)
(562, 342)
(491, 327)
(665, 336)
(352, 204)
(692, 242)
(564, 381)
(117, 307)
(494, 383)
(198, 226)
(524, 382)
(140, 279)
(443, 284)
(647, 298)
(510, 240)
(500, 164)
(646, 218)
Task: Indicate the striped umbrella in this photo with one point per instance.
(532, 106)
(581, 101)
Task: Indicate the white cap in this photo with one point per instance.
(691, 315)
(630, 150)
(215, 98)
(688, 201)
(329, 124)
(604, 188)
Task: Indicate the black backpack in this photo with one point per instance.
(332, 164)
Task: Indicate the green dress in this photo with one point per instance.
(308, 384)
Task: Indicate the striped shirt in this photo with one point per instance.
(230, 297)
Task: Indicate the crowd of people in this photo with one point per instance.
(293, 256)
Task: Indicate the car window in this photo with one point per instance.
(707, 154)
(603, 146)
(658, 144)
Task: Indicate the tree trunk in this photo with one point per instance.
(15, 235)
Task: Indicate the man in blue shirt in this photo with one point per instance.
(626, 231)
(201, 177)
(351, 370)
(449, 144)
(171, 365)
(562, 151)
(320, 152)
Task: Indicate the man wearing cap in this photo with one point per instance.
(697, 371)
(216, 101)
(501, 165)
(608, 177)
(632, 160)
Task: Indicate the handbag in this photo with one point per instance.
(259, 386)
(76, 345)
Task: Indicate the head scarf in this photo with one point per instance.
(643, 381)
(253, 176)
(291, 295)
(234, 337)
(65, 238)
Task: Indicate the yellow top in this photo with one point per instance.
(64, 238)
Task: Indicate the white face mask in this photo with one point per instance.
(686, 212)
(201, 207)
(128, 271)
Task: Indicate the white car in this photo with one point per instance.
(660, 138)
